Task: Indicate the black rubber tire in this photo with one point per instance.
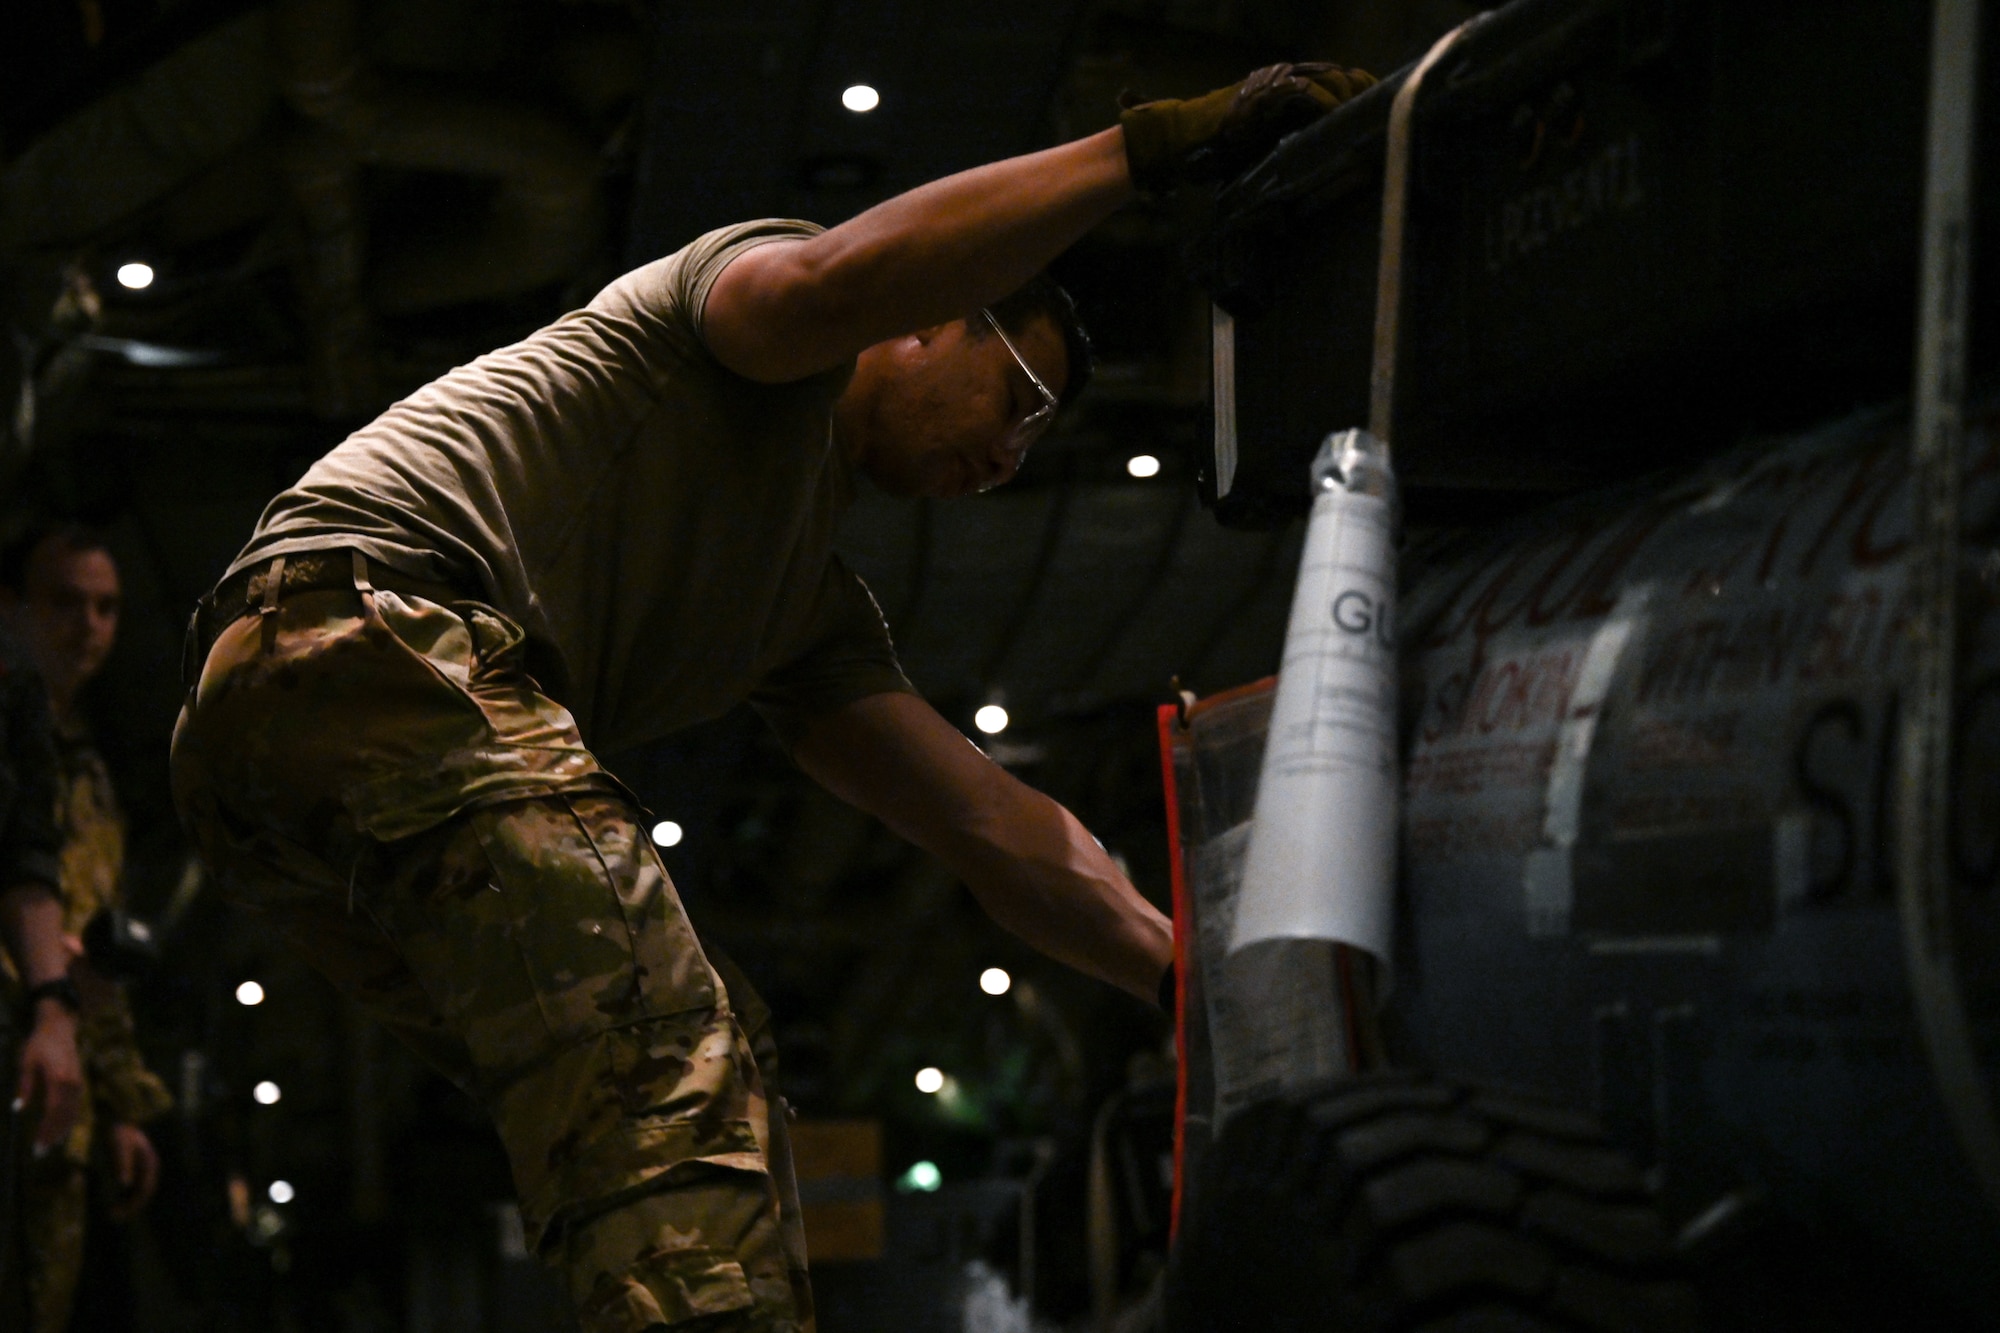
(1402, 1202)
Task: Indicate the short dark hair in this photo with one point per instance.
(16, 554)
(1043, 297)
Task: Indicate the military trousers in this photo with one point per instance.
(376, 775)
(54, 1201)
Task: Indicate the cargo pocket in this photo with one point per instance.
(666, 1104)
(575, 930)
(488, 735)
(496, 640)
(670, 1288)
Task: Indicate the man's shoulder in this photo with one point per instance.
(679, 282)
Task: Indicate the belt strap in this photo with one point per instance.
(267, 614)
(274, 581)
(361, 583)
(262, 589)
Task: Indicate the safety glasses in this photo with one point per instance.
(1032, 426)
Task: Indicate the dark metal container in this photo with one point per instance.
(1637, 227)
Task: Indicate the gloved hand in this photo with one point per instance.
(1173, 142)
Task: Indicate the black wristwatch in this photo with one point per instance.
(62, 990)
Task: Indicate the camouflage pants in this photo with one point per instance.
(54, 1199)
(49, 1231)
(376, 775)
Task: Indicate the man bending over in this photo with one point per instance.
(613, 529)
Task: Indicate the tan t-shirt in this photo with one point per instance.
(661, 527)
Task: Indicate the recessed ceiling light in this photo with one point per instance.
(666, 833)
(1143, 465)
(280, 1191)
(135, 276)
(860, 97)
(995, 981)
(249, 993)
(992, 719)
(930, 1079)
(266, 1093)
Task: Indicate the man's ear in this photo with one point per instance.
(925, 337)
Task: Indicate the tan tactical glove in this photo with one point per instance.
(1215, 136)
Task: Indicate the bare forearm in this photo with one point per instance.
(945, 248)
(933, 254)
(1039, 873)
(31, 924)
(1031, 865)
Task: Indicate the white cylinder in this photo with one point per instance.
(1322, 858)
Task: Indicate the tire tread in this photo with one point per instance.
(1402, 1203)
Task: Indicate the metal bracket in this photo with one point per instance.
(1395, 219)
(1222, 394)
(1937, 444)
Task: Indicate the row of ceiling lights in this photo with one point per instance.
(930, 1080)
(994, 981)
(266, 1092)
(137, 276)
(250, 994)
(859, 98)
(924, 1176)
